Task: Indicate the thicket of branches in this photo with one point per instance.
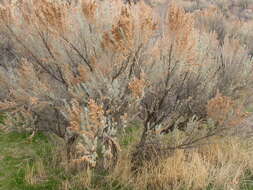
(86, 70)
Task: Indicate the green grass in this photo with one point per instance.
(16, 153)
(19, 153)
(130, 136)
(2, 116)
(247, 183)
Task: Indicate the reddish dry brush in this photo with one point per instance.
(68, 70)
(100, 76)
(225, 111)
(89, 9)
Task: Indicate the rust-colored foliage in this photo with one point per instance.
(224, 110)
(96, 115)
(137, 87)
(122, 33)
(89, 8)
(5, 14)
(129, 64)
(181, 31)
(51, 15)
(219, 107)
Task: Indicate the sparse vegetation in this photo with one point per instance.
(126, 94)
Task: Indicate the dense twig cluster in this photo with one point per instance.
(101, 76)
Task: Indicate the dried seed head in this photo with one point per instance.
(89, 8)
(96, 114)
(6, 14)
(182, 33)
(74, 116)
(147, 22)
(122, 34)
(51, 15)
(224, 110)
(137, 87)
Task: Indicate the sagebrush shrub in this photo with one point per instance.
(104, 64)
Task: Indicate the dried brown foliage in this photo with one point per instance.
(89, 9)
(225, 111)
(181, 31)
(122, 33)
(5, 14)
(104, 64)
(137, 87)
(51, 15)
